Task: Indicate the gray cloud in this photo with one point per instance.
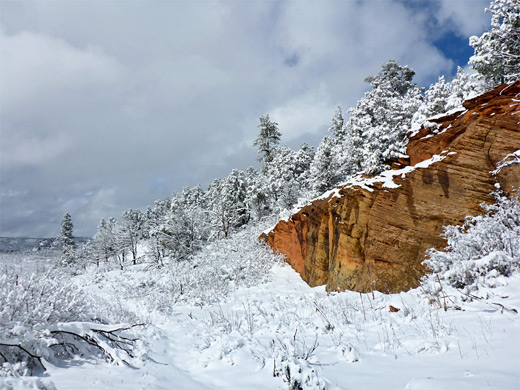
(111, 105)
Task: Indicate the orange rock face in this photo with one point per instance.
(373, 233)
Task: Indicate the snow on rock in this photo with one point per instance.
(373, 232)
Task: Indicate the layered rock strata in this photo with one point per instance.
(372, 233)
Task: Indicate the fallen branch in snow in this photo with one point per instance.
(505, 308)
(33, 358)
(512, 310)
(106, 341)
(69, 340)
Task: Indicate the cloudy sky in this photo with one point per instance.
(109, 105)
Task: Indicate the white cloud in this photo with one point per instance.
(466, 17)
(115, 94)
(38, 66)
(305, 114)
(32, 151)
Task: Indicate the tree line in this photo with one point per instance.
(363, 138)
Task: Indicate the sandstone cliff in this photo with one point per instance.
(372, 233)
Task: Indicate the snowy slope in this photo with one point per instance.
(360, 344)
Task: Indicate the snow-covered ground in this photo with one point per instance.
(335, 341)
(236, 317)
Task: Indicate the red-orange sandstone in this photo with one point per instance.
(375, 237)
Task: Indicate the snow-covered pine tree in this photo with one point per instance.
(68, 244)
(378, 124)
(444, 96)
(66, 232)
(497, 51)
(463, 87)
(337, 126)
(234, 194)
(323, 173)
(227, 203)
(268, 137)
(256, 197)
(188, 226)
(302, 165)
(281, 181)
(153, 220)
(215, 210)
(176, 232)
(435, 101)
(122, 240)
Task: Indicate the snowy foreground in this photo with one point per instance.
(283, 333)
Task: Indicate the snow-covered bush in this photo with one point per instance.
(45, 317)
(28, 305)
(293, 361)
(222, 266)
(483, 248)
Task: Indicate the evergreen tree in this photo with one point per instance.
(444, 96)
(256, 197)
(285, 179)
(215, 210)
(268, 137)
(187, 228)
(337, 126)
(281, 181)
(497, 52)
(378, 124)
(392, 77)
(227, 203)
(234, 194)
(435, 102)
(302, 165)
(153, 219)
(66, 230)
(462, 87)
(324, 168)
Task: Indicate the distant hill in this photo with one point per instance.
(26, 244)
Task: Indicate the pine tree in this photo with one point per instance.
(187, 227)
(281, 180)
(267, 139)
(378, 124)
(256, 197)
(444, 96)
(66, 237)
(302, 165)
(392, 77)
(436, 100)
(337, 126)
(497, 52)
(463, 87)
(324, 168)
